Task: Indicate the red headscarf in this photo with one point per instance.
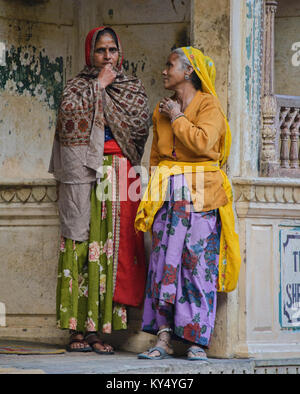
(90, 42)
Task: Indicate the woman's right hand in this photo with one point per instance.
(107, 75)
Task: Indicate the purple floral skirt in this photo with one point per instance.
(183, 270)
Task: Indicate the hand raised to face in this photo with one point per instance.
(105, 58)
(107, 75)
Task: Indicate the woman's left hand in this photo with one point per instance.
(169, 107)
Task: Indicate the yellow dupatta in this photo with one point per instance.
(154, 197)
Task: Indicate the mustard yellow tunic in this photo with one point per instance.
(196, 137)
(202, 138)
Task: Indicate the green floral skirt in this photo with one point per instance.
(84, 299)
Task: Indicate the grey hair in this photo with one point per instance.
(183, 59)
(185, 64)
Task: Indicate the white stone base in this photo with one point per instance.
(264, 207)
(263, 351)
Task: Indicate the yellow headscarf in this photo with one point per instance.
(206, 71)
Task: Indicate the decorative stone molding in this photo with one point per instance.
(27, 191)
(272, 190)
(267, 198)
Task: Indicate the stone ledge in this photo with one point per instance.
(20, 371)
(267, 190)
(27, 191)
(128, 363)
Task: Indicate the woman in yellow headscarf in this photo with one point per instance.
(188, 208)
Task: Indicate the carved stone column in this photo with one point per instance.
(269, 162)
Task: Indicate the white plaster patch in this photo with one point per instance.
(2, 54)
(57, 76)
(2, 315)
(296, 55)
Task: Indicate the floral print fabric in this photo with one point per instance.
(86, 274)
(183, 270)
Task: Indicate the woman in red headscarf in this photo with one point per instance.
(102, 128)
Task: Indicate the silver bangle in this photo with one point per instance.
(164, 330)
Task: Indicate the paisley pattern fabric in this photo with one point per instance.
(124, 104)
(77, 152)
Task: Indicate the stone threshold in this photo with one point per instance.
(128, 363)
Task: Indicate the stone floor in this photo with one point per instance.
(128, 363)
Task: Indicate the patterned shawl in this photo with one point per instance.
(84, 105)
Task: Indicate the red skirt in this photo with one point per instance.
(131, 267)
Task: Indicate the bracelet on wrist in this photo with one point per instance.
(179, 115)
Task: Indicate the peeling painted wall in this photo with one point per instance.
(210, 33)
(29, 72)
(42, 45)
(35, 62)
(148, 30)
(252, 88)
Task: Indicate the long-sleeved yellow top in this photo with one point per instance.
(194, 137)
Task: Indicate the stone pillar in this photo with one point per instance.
(269, 158)
(210, 25)
(267, 208)
(210, 32)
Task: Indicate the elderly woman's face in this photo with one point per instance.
(105, 52)
(173, 74)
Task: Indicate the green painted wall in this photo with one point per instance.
(29, 71)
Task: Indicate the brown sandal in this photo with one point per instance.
(74, 339)
(92, 339)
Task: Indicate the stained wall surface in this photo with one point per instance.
(287, 48)
(41, 47)
(35, 61)
(37, 48)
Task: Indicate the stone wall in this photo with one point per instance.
(41, 47)
(38, 47)
(36, 64)
(43, 42)
(267, 208)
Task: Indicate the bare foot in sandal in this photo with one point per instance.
(196, 353)
(77, 343)
(97, 345)
(163, 343)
